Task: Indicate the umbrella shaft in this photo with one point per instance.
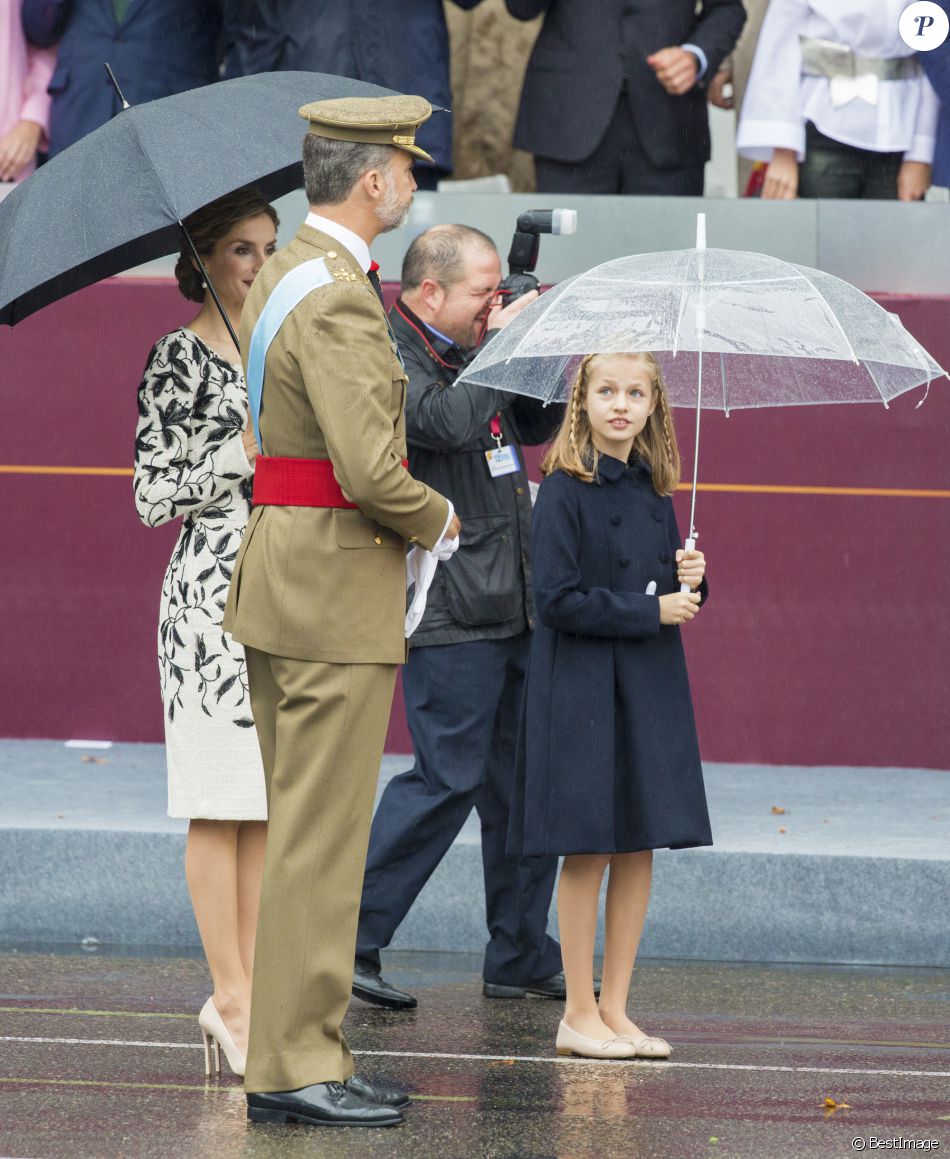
(208, 282)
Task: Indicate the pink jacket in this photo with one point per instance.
(25, 72)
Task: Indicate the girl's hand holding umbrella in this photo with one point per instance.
(679, 607)
(690, 568)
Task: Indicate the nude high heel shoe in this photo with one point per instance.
(570, 1042)
(216, 1038)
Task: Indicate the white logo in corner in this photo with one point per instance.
(924, 26)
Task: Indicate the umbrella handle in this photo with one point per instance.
(689, 545)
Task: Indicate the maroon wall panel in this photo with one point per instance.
(825, 640)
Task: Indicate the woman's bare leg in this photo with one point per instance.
(211, 868)
(578, 895)
(628, 894)
(251, 843)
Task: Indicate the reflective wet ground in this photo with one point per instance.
(100, 1057)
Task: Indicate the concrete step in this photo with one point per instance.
(855, 870)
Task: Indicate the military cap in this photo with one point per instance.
(371, 120)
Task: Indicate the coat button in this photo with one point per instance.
(379, 539)
(658, 516)
(623, 561)
(519, 490)
(615, 520)
(664, 557)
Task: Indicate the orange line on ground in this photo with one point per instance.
(735, 488)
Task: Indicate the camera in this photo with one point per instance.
(523, 255)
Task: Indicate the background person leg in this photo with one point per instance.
(518, 890)
(451, 696)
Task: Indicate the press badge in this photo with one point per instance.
(502, 461)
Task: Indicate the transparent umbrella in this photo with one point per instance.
(730, 329)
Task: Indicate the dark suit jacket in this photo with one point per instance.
(937, 67)
(402, 46)
(584, 54)
(160, 48)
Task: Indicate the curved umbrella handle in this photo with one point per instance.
(689, 545)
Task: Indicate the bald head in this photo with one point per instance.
(439, 254)
(449, 277)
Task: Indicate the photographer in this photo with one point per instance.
(465, 671)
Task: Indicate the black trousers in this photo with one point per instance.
(463, 703)
(618, 165)
(832, 169)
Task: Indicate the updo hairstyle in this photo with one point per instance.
(211, 223)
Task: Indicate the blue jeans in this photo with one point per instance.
(463, 703)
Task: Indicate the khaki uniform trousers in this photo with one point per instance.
(322, 728)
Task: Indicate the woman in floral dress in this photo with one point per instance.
(194, 459)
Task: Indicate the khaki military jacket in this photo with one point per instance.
(329, 584)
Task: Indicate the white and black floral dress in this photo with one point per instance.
(190, 463)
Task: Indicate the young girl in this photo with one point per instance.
(609, 764)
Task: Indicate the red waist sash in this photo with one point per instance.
(298, 483)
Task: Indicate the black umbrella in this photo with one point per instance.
(117, 197)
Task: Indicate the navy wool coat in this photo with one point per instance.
(608, 757)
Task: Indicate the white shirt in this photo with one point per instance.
(346, 237)
(779, 100)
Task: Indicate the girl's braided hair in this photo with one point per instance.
(573, 450)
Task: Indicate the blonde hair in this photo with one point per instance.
(573, 450)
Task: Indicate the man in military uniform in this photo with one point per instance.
(318, 596)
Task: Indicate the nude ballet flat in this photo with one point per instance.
(216, 1038)
(570, 1042)
(647, 1046)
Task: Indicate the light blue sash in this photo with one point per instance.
(289, 292)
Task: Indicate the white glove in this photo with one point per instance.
(420, 572)
(445, 549)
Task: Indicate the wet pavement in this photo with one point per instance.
(100, 1057)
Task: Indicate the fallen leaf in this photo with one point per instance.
(782, 829)
(60, 815)
(832, 1105)
(88, 760)
(777, 810)
(713, 1139)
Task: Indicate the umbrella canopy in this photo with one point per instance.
(115, 198)
(763, 332)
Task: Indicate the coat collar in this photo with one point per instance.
(335, 239)
(611, 470)
(444, 349)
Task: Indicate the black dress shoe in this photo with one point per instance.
(368, 985)
(378, 1092)
(321, 1105)
(553, 987)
